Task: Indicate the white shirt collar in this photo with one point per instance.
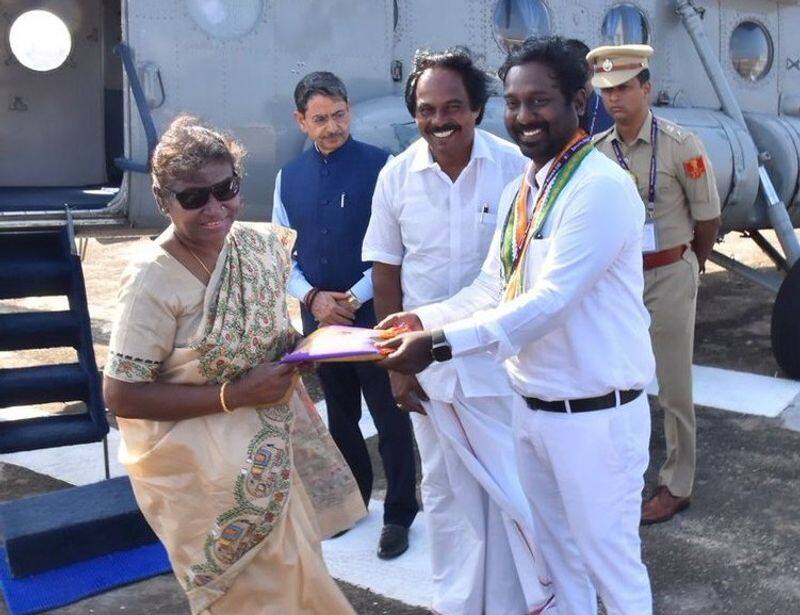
(424, 160)
(536, 181)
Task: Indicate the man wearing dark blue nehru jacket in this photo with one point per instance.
(325, 194)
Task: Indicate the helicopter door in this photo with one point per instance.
(61, 118)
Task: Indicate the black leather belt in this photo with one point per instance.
(587, 404)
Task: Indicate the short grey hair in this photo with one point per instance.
(186, 146)
(319, 82)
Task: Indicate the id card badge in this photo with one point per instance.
(649, 239)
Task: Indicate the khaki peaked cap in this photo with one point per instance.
(613, 65)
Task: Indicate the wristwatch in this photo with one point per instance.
(440, 347)
(353, 301)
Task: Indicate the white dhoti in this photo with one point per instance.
(583, 476)
(484, 558)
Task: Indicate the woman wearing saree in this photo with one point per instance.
(230, 464)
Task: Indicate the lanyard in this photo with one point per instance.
(594, 114)
(543, 205)
(651, 188)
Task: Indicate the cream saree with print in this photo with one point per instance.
(240, 500)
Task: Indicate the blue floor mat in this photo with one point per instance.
(55, 588)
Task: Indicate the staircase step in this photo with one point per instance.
(42, 245)
(21, 386)
(46, 278)
(71, 525)
(52, 431)
(35, 264)
(23, 331)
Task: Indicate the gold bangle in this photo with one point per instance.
(222, 398)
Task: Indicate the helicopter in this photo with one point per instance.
(87, 85)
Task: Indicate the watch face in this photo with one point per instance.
(442, 352)
(440, 348)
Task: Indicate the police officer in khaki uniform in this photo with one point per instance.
(676, 183)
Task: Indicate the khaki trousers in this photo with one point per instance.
(670, 294)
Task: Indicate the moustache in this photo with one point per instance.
(443, 128)
(537, 126)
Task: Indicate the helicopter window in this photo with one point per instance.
(226, 19)
(625, 24)
(40, 40)
(516, 20)
(751, 50)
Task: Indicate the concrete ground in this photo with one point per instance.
(735, 551)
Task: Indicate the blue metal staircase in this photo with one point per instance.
(35, 264)
(70, 525)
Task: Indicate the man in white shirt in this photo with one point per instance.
(433, 216)
(569, 325)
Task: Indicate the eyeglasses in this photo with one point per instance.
(195, 198)
(321, 120)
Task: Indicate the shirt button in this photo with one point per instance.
(323, 260)
(325, 203)
(324, 231)
(325, 172)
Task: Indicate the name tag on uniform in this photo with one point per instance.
(649, 240)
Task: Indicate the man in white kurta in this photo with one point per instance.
(437, 230)
(574, 341)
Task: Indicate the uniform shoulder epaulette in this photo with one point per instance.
(673, 130)
(602, 135)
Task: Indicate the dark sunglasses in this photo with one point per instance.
(195, 198)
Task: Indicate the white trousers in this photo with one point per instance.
(583, 476)
(483, 556)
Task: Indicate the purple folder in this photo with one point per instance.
(339, 343)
